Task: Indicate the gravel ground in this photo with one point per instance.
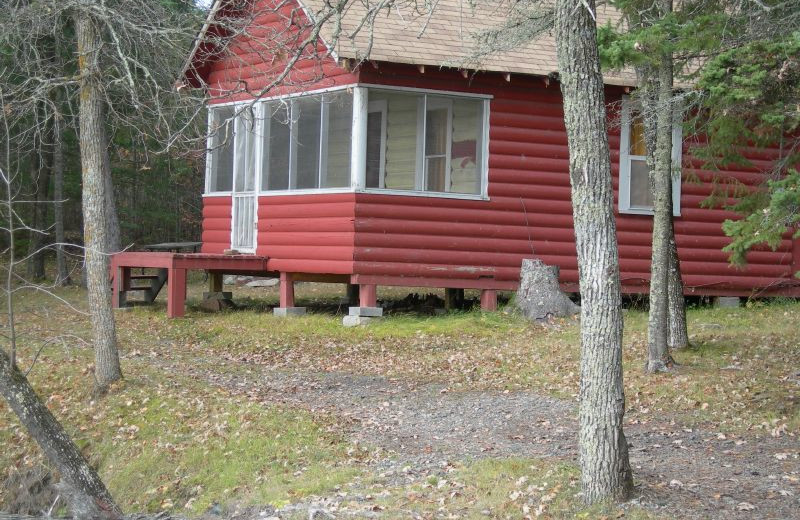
(681, 472)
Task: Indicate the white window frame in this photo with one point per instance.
(625, 159)
(444, 98)
(361, 108)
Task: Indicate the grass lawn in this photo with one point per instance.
(163, 440)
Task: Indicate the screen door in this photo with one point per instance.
(245, 201)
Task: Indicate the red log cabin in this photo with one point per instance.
(386, 155)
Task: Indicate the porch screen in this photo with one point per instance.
(221, 152)
(307, 143)
(426, 143)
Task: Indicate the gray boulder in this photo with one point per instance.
(263, 282)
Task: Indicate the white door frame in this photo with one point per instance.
(245, 152)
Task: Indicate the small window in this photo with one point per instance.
(635, 195)
(425, 142)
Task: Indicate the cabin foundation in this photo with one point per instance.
(287, 312)
(287, 307)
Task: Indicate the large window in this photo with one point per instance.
(425, 142)
(635, 195)
(407, 142)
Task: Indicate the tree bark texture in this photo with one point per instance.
(658, 357)
(80, 485)
(95, 168)
(605, 469)
(678, 329)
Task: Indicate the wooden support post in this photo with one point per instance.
(122, 283)
(214, 282)
(453, 299)
(489, 300)
(795, 256)
(368, 295)
(286, 290)
(176, 292)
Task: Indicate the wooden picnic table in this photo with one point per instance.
(174, 247)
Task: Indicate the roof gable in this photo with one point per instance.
(403, 33)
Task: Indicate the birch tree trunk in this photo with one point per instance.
(658, 357)
(96, 212)
(80, 485)
(605, 469)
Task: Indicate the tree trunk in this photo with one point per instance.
(62, 273)
(658, 357)
(678, 329)
(605, 469)
(96, 212)
(80, 485)
(41, 180)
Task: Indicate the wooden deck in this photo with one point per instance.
(171, 270)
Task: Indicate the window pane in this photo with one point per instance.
(466, 148)
(435, 168)
(340, 124)
(401, 138)
(374, 144)
(436, 128)
(307, 116)
(222, 137)
(637, 136)
(276, 148)
(641, 196)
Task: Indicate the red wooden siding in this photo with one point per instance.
(253, 60)
(307, 233)
(529, 212)
(216, 224)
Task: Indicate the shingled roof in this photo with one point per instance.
(405, 32)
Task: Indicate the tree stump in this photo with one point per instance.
(539, 296)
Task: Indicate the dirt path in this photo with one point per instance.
(682, 472)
